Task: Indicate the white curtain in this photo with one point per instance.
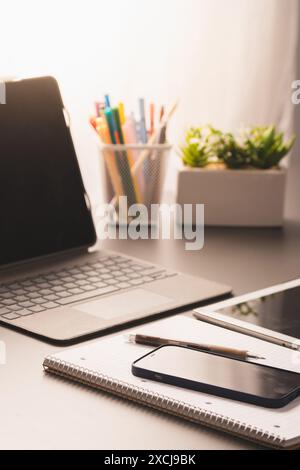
(231, 62)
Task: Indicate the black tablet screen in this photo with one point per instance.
(42, 204)
(278, 312)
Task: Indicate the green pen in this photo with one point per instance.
(114, 123)
(110, 124)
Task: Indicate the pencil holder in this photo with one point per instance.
(136, 171)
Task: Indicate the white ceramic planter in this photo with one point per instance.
(246, 198)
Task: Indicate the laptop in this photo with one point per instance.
(53, 284)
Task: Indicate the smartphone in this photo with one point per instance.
(219, 375)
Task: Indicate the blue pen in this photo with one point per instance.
(107, 101)
(143, 129)
(143, 136)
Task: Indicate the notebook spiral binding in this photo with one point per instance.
(160, 402)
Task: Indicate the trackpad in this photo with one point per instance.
(128, 303)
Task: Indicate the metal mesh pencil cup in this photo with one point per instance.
(136, 171)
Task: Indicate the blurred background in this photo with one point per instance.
(230, 62)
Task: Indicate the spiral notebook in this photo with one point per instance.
(106, 365)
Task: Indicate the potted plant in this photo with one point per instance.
(239, 179)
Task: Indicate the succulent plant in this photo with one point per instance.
(259, 147)
(231, 152)
(196, 152)
(265, 147)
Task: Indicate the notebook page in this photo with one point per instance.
(114, 356)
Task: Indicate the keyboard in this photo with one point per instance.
(72, 284)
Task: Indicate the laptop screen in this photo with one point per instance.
(42, 202)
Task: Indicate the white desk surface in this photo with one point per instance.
(42, 412)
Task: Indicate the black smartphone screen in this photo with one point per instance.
(43, 209)
(185, 364)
